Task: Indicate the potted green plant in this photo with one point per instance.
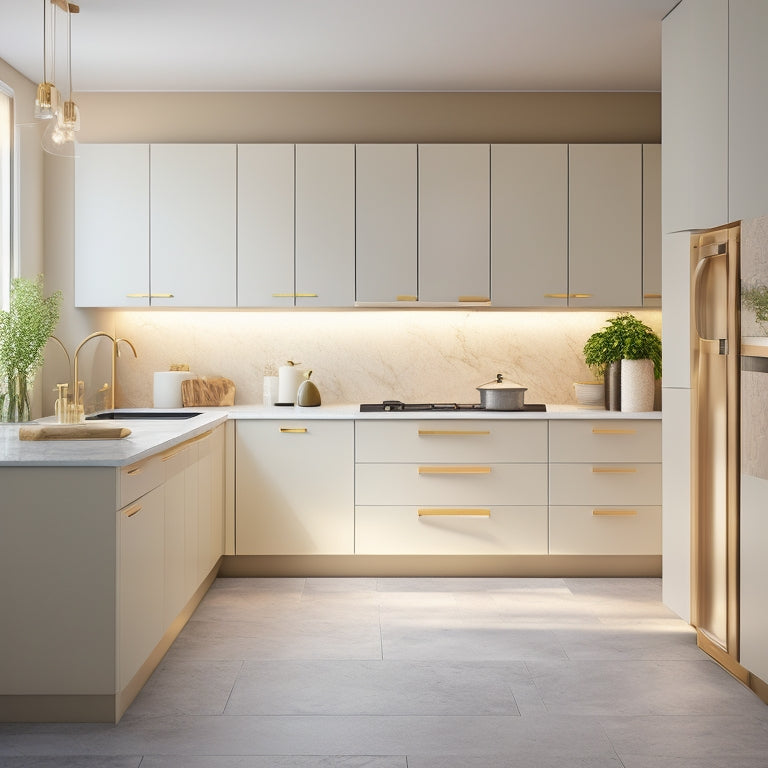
(24, 331)
(627, 353)
(755, 297)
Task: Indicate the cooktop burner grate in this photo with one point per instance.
(396, 406)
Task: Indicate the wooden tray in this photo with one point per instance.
(72, 432)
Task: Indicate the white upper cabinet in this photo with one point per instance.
(605, 233)
(265, 211)
(651, 225)
(325, 225)
(694, 106)
(454, 232)
(193, 191)
(748, 109)
(112, 225)
(529, 225)
(386, 226)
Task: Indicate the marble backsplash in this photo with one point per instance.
(366, 355)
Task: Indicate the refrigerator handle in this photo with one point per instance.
(720, 249)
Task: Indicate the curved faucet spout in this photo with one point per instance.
(129, 343)
(96, 334)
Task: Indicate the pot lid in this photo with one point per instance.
(499, 383)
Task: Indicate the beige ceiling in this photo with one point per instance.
(349, 45)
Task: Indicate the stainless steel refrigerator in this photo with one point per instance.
(715, 443)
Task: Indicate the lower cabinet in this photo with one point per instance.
(294, 490)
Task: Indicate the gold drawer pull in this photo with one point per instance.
(293, 430)
(579, 295)
(454, 512)
(135, 471)
(171, 455)
(306, 295)
(131, 511)
(614, 470)
(405, 297)
(597, 431)
(454, 470)
(474, 299)
(283, 295)
(149, 295)
(614, 512)
(436, 432)
(651, 295)
(555, 295)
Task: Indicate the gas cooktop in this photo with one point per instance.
(396, 406)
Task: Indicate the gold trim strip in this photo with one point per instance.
(474, 299)
(407, 298)
(454, 470)
(450, 512)
(293, 430)
(614, 512)
(598, 431)
(439, 432)
(131, 511)
(613, 470)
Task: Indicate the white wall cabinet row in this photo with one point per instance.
(332, 225)
(448, 487)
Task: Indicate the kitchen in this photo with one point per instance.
(440, 355)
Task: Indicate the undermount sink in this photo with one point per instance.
(155, 415)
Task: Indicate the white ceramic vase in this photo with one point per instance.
(637, 385)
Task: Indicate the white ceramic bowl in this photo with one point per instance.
(590, 393)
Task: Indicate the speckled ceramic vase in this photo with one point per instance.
(637, 385)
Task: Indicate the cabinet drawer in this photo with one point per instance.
(630, 440)
(140, 478)
(442, 484)
(605, 530)
(453, 440)
(605, 484)
(408, 530)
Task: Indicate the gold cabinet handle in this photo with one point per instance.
(405, 297)
(131, 511)
(454, 512)
(135, 471)
(454, 470)
(149, 295)
(283, 295)
(614, 512)
(555, 295)
(306, 295)
(441, 432)
(475, 299)
(598, 431)
(651, 295)
(567, 295)
(613, 470)
(293, 430)
(579, 295)
(172, 454)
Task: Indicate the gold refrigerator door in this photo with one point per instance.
(715, 441)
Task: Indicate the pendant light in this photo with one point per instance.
(46, 100)
(59, 136)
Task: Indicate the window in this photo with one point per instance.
(6, 192)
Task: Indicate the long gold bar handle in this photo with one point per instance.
(131, 511)
(454, 470)
(149, 295)
(579, 295)
(613, 470)
(436, 432)
(598, 431)
(135, 471)
(306, 295)
(182, 446)
(555, 295)
(567, 295)
(405, 297)
(293, 430)
(171, 454)
(651, 295)
(474, 299)
(294, 295)
(614, 512)
(451, 512)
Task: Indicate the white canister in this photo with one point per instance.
(167, 388)
(289, 378)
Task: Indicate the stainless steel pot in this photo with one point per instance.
(500, 395)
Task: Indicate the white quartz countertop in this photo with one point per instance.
(152, 436)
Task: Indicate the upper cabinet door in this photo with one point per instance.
(194, 225)
(651, 225)
(325, 225)
(529, 225)
(694, 106)
(454, 232)
(386, 226)
(748, 109)
(605, 235)
(265, 211)
(112, 225)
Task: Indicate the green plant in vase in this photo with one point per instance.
(755, 297)
(24, 331)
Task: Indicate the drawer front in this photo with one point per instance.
(625, 440)
(443, 484)
(605, 530)
(140, 478)
(584, 484)
(407, 530)
(454, 440)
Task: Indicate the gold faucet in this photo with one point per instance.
(115, 355)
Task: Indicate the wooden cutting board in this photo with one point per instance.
(208, 391)
(72, 432)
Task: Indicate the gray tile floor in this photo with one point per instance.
(423, 673)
